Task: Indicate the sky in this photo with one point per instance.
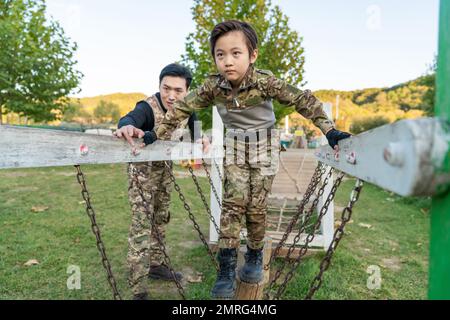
(351, 44)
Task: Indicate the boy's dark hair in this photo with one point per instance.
(176, 70)
(223, 28)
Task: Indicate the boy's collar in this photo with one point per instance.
(248, 81)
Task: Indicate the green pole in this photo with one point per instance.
(439, 274)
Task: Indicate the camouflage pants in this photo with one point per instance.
(248, 182)
(143, 247)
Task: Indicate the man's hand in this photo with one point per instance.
(333, 137)
(128, 133)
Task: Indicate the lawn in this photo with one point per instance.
(386, 231)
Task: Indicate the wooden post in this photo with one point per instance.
(254, 291)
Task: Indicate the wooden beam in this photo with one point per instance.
(30, 147)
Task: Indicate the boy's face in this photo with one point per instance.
(172, 89)
(232, 57)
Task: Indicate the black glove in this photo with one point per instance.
(150, 137)
(333, 136)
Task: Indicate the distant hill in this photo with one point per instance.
(125, 101)
(408, 100)
(411, 99)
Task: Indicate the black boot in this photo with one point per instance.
(162, 272)
(141, 296)
(225, 285)
(251, 272)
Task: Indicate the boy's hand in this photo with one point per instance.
(205, 142)
(333, 136)
(128, 133)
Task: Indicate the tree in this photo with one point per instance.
(429, 80)
(107, 112)
(36, 62)
(367, 123)
(280, 48)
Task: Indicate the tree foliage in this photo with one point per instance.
(107, 112)
(363, 124)
(37, 67)
(280, 47)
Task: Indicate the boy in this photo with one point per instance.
(243, 96)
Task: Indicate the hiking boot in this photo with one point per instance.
(225, 285)
(251, 272)
(141, 296)
(162, 272)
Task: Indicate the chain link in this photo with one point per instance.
(213, 188)
(192, 218)
(151, 218)
(202, 196)
(218, 170)
(338, 234)
(96, 230)
(315, 180)
(302, 227)
(311, 235)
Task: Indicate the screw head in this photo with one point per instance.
(84, 150)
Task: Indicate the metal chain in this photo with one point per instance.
(96, 230)
(218, 170)
(213, 188)
(310, 237)
(202, 196)
(315, 180)
(338, 234)
(292, 247)
(151, 218)
(192, 218)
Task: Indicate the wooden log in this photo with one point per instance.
(30, 147)
(254, 291)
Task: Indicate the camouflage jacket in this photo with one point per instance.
(250, 107)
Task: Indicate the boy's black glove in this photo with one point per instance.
(150, 137)
(333, 136)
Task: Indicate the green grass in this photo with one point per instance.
(60, 236)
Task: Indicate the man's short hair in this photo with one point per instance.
(221, 29)
(176, 70)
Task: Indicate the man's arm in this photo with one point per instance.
(135, 122)
(201, 98)
(140, 116)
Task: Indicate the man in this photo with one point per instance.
(145, 257)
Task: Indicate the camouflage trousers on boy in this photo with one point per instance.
(249, 170)
(143, 246)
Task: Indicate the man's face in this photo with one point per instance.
(172, 89)
(232, 57)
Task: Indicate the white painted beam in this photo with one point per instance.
(403, 157)
(217, 144)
